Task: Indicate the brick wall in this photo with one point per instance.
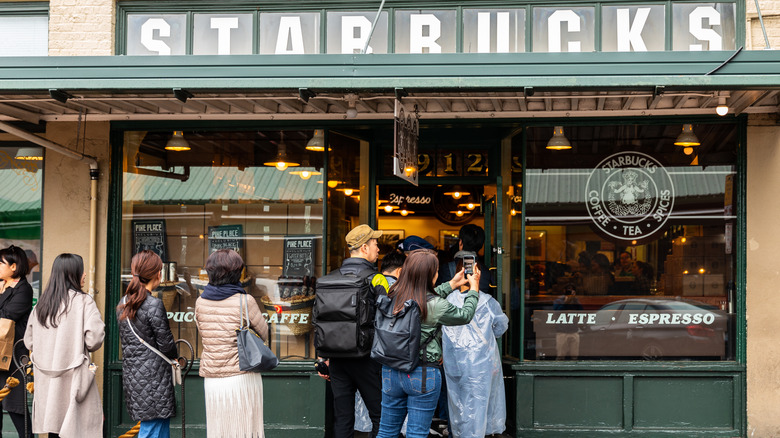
(770, 11)
(81, 27)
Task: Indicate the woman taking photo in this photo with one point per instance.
(63, 327)
(234, 398)
(146, 377)
(16, 296)
(404, 393)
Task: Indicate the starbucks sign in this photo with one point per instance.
(629, 196)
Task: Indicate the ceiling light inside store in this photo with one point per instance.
(722, 109)
(317, 142)
(687, 138)
(305, 173)
(281, 162)
(558, 141)
(457, 192)
(177, 142)
(29, 154)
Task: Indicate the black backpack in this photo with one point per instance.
(397, 337)
(343, 314)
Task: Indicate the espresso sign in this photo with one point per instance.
(298, 257)
(150, 235)
(226, 237)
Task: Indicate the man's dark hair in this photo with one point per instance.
(472, 236)
(392, 261)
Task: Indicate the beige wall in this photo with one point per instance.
(66, 190)
(763, 277)
(770, 11)
(81, 27)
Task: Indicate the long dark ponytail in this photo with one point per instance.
(66, 273)
(415, 281)
(144, 266)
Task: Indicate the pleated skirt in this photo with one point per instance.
(234, 406)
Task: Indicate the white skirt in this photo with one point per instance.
(234, 406)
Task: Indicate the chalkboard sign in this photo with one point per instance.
(150, 234)
(226, 237)
(298, 257)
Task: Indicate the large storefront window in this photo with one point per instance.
(188, 194)
(629, 243)
(21, 177)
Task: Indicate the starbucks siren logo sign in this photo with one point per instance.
(629, 196)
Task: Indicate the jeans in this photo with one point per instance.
(157, 428)
(401, 395)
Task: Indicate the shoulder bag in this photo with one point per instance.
(176, 368)
(253, 354)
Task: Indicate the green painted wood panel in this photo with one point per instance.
(592, 402)
(688, 402)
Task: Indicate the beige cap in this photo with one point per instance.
(360, 235)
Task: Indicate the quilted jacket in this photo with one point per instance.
(217, 322)
(146, 377)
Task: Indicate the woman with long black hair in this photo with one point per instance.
(146, 376)
(404, 393)
(64, 326)
(16, 296)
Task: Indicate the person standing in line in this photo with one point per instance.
(64, 325)
(391, 266)
(234, 398)
(16, 296)
(146, 377)
(402, 393)
(349, 375)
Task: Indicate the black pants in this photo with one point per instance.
(18, 420)
(346, 377)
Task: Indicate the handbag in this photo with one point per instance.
(7, 329)
(253, 354)
(176, 367)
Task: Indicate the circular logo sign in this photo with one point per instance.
(629, 196)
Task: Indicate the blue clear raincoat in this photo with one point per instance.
(472, 364)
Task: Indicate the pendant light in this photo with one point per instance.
(281, 162)
(177, 142)
(457, 192)
(29, 154)
(558, 141)
(317, 142)
(305, 171)
(687, 139)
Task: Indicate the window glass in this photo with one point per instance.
(21, 176)
(222, 34)
(704, 26)
(629, 243)
(348, 31)
(564, 30)
(493, 30)
(158, 34)
(24, 36)
(425, 31)
(220, 194)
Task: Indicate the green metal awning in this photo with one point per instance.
(443, 85)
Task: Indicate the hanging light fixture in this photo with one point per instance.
(722, 109)
(352, 111)
(317, 142)
(29, 154)
(305, 171)
(687, 139)
(177, 142)
(333, 183)
(457, 192)
(281, 162)
(469, 205)
(558, 141)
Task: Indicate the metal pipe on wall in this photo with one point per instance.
(94, 173)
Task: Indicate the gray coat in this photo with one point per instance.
(66, 399)
(146, 377)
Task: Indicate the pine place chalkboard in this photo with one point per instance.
(298, 257)
(150, 234)
(227, 237)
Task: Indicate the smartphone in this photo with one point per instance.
(468, 265)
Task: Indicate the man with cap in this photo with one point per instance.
(414, 242)
(363, 374)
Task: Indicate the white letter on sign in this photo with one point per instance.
(629, 34)
(290, 34)
(696, 23)
(349, 42)
(418, 41)
(554, 30)
(223, 26)
(147, 35)
(484, 31)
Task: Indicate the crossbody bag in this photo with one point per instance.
(176, 368)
